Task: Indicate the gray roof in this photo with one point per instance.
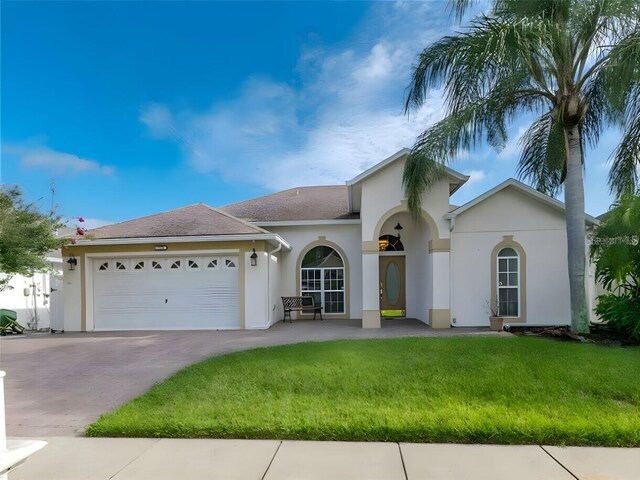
(301, 203)
(193, 220)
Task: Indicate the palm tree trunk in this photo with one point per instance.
(576, 232)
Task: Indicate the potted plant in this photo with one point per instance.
(496, 322)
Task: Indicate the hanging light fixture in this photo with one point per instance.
(254, 258)
(398, 228)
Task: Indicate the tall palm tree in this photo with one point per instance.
(575, 64)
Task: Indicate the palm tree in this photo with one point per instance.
(575, 64)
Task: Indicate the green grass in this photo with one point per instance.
(464, 389)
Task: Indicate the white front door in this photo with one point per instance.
(180, 293)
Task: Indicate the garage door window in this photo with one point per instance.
(176, 265)
(156, 265)
(229, 263)
(121, 266)
(193, 264)
(213, 263)
(104, 266)
(139, 265)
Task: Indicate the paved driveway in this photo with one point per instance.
(57, 384)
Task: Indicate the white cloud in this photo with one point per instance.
(476, 176)
(42, 157)
(343, 114)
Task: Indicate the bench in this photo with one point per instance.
(304, 304)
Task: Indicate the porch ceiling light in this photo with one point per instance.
(398, 228)
(73, 261)
(254, 258)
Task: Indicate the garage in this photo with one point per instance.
(177, 293)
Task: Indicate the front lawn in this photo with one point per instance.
(457, 389)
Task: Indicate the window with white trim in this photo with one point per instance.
(104, 266)
(508, 283)
(322, 276)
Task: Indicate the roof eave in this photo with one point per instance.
(512, 182)
(273, 238)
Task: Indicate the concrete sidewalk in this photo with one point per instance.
(69, 458)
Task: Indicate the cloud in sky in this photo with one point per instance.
(344, 114)
(43, 157)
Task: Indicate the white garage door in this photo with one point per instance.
(166, 293)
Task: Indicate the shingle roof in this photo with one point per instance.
(301, 203)
(198, 219)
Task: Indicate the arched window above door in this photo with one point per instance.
(390, 243)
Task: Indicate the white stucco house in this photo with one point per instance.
(354, 247)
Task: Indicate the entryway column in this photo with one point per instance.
(370, 287)
(440, 311)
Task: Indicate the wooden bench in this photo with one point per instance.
(304, 304)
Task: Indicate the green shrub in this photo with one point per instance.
(622, 312)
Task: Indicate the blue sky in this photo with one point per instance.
(133, 108)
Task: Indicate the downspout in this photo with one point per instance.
(270, 308)
(452, 224)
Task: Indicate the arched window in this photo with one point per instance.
(508, 286)
(322, 276)
(390, 243)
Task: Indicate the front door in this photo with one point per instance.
(392, 286)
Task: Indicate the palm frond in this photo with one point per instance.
(624, 175)
(543, 159)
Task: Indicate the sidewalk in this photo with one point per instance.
(71, 458)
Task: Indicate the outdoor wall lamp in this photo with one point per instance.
(73, 261)
(254, 258)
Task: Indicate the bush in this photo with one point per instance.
(622, 312)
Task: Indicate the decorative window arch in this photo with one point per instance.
(322, 275)
(390, 243)
(508, 280)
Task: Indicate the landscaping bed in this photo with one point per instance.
(508, 390)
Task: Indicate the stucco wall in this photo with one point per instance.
(347, 237)
(383, 191)
(35, 309)
(539, 229)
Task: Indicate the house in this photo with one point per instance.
(354, 247)
(37, 300)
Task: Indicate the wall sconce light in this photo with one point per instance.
(254, 258)
(73, 261)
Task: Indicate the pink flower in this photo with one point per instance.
(81, 220)
(73, 241)
(80, 231)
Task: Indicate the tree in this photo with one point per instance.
(575, 64)
(26, 236)
(615, 250)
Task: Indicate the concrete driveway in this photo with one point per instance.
(57, 384)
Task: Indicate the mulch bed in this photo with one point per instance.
(599, 334)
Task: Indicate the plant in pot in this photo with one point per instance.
(496, 322)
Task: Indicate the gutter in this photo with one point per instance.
(270, 237)
(269, 307)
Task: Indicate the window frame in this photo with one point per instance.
(517, 287)
(322, 271)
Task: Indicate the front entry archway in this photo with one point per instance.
(392, 274)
